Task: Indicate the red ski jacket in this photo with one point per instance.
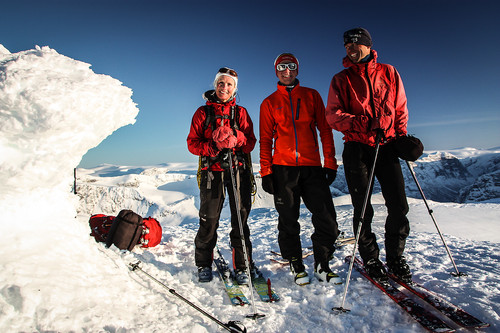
(361, 95)
(199, 140)
(289, 121)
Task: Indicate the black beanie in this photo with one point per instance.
(359, 36)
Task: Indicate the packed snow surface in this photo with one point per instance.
(56, 278)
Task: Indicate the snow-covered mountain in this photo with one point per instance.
(460, 175)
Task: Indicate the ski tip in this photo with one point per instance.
(239, 301)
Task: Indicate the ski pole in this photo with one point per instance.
(74, 181)
(457, 274)
(232, 326)
(341, 308)
(237, 202)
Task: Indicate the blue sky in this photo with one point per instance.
(168, 53)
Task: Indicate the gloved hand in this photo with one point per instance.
(224, 138)
(383, 122)
(268, 183)
(241, 139)
(361, 124)
(330, 175)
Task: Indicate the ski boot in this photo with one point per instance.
(299, 271)
(323, 273)
(205, 274)
(241, 277)
(375, 269)
(400, 269)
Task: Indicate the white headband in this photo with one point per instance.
(228, 75)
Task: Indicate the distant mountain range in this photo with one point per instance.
(463, 176)
(466, 175)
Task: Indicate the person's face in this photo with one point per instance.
(287, 77)
(356, 52)
(225, 88)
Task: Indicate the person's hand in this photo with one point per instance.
(224, 138)
(330, 175)
(268, 184)
(241, 139)
(361, 123)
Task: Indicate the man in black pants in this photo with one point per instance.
(291, 168)
(365, 99)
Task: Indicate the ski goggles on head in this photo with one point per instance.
(225, 70)
(291, 66)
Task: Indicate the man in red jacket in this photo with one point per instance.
(364, 99)
(289, 121)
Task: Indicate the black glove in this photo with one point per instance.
(224, 156)
(330, 175)
(267, 184)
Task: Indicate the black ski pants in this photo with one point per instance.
(358, 160)
(213, 186)
(309, 183)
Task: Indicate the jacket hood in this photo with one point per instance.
(348, 63)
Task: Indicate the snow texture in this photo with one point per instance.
(56, 278)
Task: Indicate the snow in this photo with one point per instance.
(56, 278)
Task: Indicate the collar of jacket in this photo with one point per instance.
(285, 89)
(361, 65)
(212, 99)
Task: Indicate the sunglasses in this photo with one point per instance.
(225, 70)
(291, 66)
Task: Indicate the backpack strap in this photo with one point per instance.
(235, 117)
(209, 117)
(211, 120)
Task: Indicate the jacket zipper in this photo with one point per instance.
(298, 109)
(372, 102)
(294, 127)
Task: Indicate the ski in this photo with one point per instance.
(263, 288)
(424, 317)
(284, 262)
(341, 241)
(450, 310)
(234, 292)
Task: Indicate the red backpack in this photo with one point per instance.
(99, 226)
(151, 235)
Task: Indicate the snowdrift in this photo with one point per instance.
(53, 109)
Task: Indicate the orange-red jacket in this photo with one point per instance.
(288, 123)
(199, 140)
(370, 90)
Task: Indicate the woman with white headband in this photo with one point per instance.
(221, 130)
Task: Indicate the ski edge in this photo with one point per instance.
(234, 292)
(429, 321)
(447, 308)
(264, 289)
